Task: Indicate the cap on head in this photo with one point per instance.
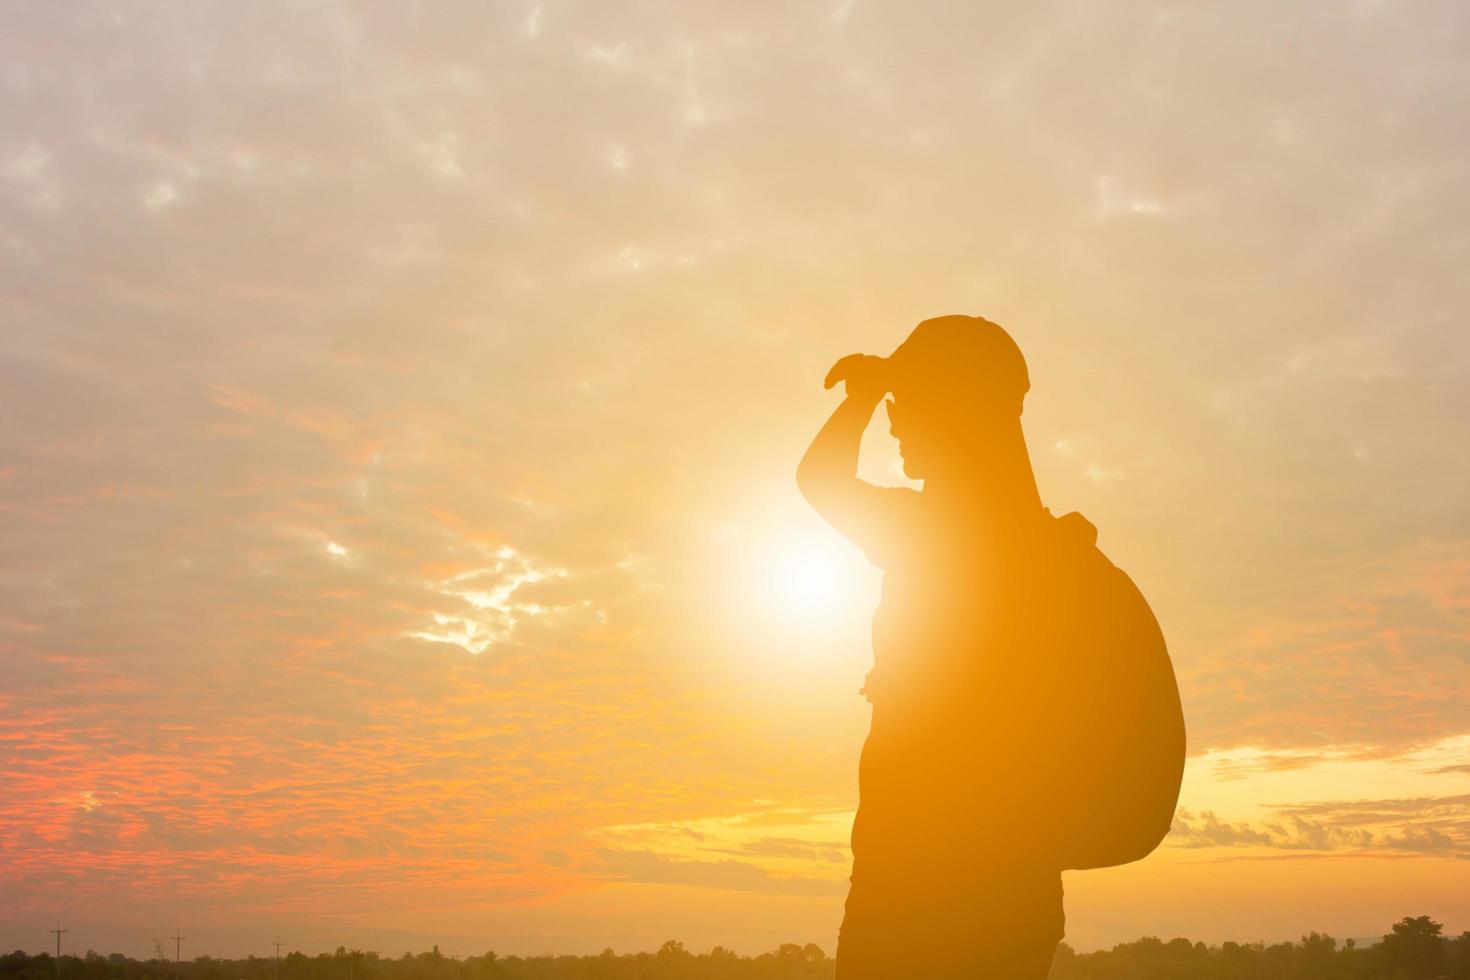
(962, 356)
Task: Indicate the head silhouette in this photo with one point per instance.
(957, 384)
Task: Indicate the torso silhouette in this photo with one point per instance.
(949, 867)
(960, 668)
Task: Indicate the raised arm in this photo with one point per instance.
(827, 475)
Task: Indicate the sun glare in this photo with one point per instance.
(792, 591)
(808, 580)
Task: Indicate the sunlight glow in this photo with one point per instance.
(809, 580)
(794, 594)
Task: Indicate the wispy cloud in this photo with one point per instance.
(1427, 826)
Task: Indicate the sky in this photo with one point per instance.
(399, 406)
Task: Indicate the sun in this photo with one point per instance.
(805, 579)
(808, 579)
(791, 590)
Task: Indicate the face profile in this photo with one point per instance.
(936, 431)
(921, 435)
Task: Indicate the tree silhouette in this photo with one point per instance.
(1414, 948)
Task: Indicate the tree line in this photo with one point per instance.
(1414, 949)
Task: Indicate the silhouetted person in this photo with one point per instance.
(1025, 718)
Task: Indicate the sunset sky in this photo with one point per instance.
(399, 406)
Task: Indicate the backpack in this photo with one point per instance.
(1109, 741)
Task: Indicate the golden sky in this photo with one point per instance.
(399, 405)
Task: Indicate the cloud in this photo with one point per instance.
(727, 874)
(787, 847)
(1207, 830)
(1374, 653)
(1433, 825)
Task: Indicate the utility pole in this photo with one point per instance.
(58, 930)
(178, 943)
(276, 966)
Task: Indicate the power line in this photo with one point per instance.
(178, 943)
(276, 963)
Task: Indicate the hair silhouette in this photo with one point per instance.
(1025, 714)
